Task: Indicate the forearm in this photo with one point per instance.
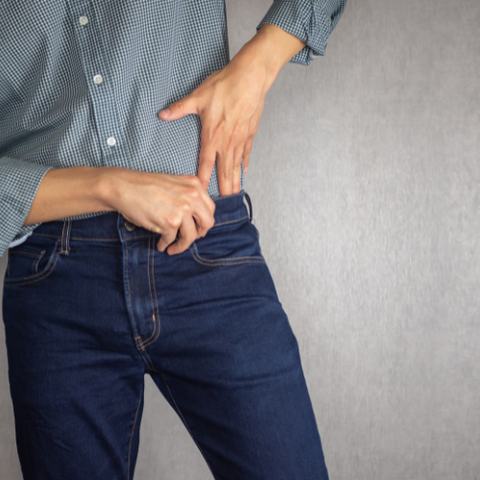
(273, 47)
(66, 192)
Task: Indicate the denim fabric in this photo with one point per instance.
(90, 306)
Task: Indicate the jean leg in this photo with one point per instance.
(76, 378)
(228, 362)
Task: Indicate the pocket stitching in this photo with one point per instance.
(225, 261)
(38, 276)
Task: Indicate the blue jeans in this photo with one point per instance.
(90, 306)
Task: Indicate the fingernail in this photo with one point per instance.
(166, 112)
(245, 169)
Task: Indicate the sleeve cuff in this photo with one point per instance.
(19, 182)
(304, 19)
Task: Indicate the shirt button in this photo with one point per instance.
(83, 20)
(129, 226)
(111, 141)
(98, 79)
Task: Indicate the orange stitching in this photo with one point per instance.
(142, 236)
(23, 251)
(144, 344)
(131, 435)
(63, 232)
(151, 366)
(186, 424)
(67, 250)
(232, 261)
(99, 239)
(129, 293)
(49, 269)
(47, 235)
(151, 299)
(230, 221)
(153, 234)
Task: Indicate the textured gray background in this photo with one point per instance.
(364, 179)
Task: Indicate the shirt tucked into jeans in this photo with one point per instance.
(81, 84)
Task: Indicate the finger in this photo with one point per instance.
(187, 234)
(246, 153)
(237, 168)
(166, 238)
(179, 109)
(204, 218)
(195, 181)
(200, 204)
(225, 163)
(206, 159)
(225, 172)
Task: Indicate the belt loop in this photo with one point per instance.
(65, 246)
(247, 196)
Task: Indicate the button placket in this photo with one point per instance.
(96, 68)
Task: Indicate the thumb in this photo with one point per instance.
(179, 109)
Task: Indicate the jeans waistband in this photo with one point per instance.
(111, 225)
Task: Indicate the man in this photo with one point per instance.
(125, 131)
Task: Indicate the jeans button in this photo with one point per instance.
(129, 225)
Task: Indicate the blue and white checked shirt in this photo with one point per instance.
(82, 81)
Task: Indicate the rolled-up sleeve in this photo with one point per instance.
(312, 21)
(19, 182)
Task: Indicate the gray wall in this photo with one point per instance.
(365, 181)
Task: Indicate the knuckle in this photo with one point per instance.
(185, 207)
(156, 229)
(173, 221)
(195, 181)
(194, 192)
(208, 160)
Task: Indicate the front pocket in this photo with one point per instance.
(32, 260)
(233, 243)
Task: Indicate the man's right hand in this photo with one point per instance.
(171, 205)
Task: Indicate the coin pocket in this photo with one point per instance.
(31, 260)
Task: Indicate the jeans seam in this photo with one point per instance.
(231, 221)
(46, 235)
(129, 292)
(232, 261)
(67, 246)
(144, 342)
(185, 422)
(77, 238)
(151, 366)
(28, 253)
(131, 434)
(97, 239)
(155, 308)
(224, 197)
(63, 233)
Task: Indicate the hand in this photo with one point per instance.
(167, 204)
(230, 103)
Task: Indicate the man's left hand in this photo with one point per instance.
(230, 103)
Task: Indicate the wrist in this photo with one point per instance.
(274, 48)
(106, 189)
